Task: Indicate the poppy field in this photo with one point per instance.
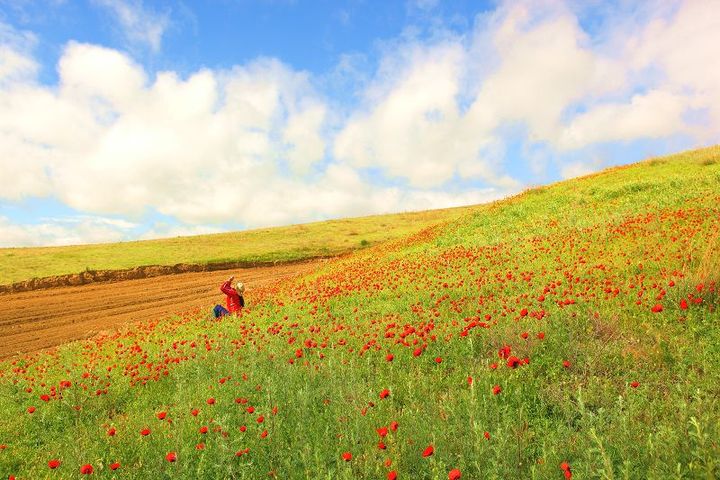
(571, 331)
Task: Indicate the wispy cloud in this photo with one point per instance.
(139, 24)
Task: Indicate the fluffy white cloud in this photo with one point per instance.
(63, 231)
(259, 144)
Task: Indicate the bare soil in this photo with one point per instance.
(39, 319)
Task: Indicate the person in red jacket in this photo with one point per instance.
(234, 298)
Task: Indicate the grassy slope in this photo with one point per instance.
(268, 244)
(580, 264)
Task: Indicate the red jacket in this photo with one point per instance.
(234, 301)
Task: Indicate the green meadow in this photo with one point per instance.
(570, 331)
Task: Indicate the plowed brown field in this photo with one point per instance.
(35, 320)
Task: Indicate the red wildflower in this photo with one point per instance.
(161, 415)
(565, 467)
(31, 409)
(115, 466)
(417, 352)
(389, 357)
(469, 380)
(657, 308)
(203, 429)
(392, 475)
(438, 359)
(145, 432)
(45, 397)
(428, 451)
(243, 428)
(486, 435)
(54, 464)
(195, 412)
(566, 364)
(524, 312)
(513, 361)
(504, 352)
(634, 384)
(264, 434)
(496, 389)
(86, 469)
(683, 304)
(111, 432)
(524, 335)
(394, 426)
(382, 431)
(260, 419)
(347, 456)
(541, 335)
(385, 393)
(171, 457)
(381, 445)
(200, 446)
(211, 401)
(493, 366)
(454, 474)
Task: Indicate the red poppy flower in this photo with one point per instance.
(264, 434)
(541, 335)
(200, 446)
(394, 426)
(145, 432)
(86, 469)
(195, 412)
(392, 475)
(111, 432)
(566, 364)
(54, 464)
(382, 431)
(428, 451)
(210, 401)
(347, 456)
(45, 397)
(513, 361)
(438, 359)
(385, 393)
(486, 435)
(260, 419)
(381, 445)
(634, 384)
(115, 466)
(657, 308)
(683, 304)
(161, 415)
(454, 474)
(496, 389)
(389, 357)
(171, 457)
(31, 409)
(203, 429)
(243, 428)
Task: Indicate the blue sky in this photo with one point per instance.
(127, 119)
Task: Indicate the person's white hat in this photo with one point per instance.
(239, 287)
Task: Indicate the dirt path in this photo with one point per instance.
(31, 321)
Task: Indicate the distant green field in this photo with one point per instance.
(296, 242)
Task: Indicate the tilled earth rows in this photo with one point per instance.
(31, 321)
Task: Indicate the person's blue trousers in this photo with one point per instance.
(220, 311)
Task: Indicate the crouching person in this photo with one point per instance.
(233, 298)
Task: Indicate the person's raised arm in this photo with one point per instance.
(226, 287)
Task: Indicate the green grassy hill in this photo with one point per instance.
(570, 331)
(282, 244)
